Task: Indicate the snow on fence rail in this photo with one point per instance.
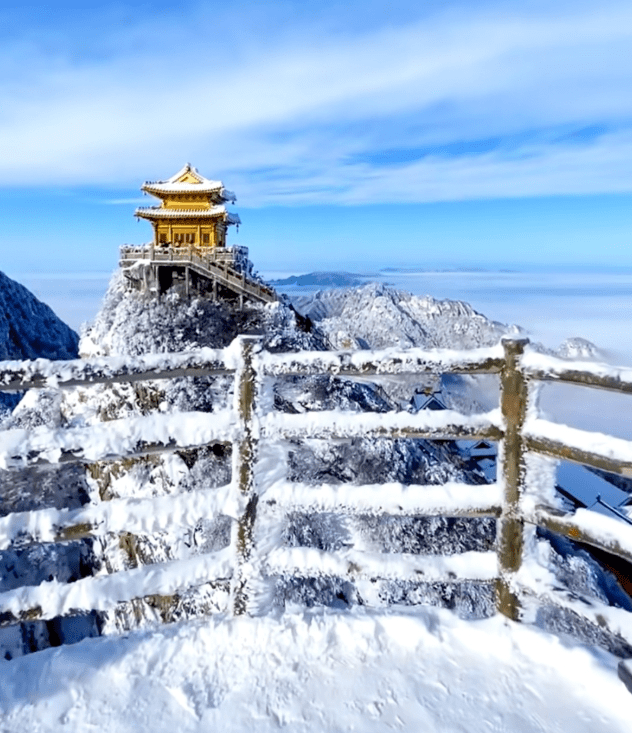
(260, 496)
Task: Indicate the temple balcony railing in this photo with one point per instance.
(234, 256)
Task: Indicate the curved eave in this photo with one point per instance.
(157, 187)
(216, 212)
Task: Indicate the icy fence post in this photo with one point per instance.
(510, 540)
(244, 457)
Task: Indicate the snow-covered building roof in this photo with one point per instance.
(189, 199)
(477, 448)
(585, 488)
(481, 455)
(188, 180)
(427, 402)
(157, 212)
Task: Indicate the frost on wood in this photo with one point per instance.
(51, 598)
(596, 449)
(144, 516)
(448, 498)
(599, 375)
(173, 323)
(386, 362)
(338, 424)
(311, 553)
(115, 439)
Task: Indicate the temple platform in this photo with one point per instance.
(222, 271)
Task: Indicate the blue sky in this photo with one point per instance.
(355, 134)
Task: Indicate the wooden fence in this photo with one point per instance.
(259, 494)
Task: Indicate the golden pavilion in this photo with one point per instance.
(192, 210)
(189, 248)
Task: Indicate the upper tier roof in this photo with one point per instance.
(189, 180)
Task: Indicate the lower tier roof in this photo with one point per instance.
(215, 212)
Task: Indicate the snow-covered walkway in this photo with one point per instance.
(323, 671)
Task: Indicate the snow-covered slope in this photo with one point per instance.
(421, 671)
(578, 348)
(29, 329)
(375, 316)
(132, 323)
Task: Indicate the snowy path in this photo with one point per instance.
(421, 671)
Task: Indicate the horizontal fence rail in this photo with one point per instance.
(147, 516)
(124, 438)
(587, 373)
(448, 500)
(384, 362)
(613, 536)
(17, 376)
(593, 449)
(338, 425)
(259, 496)
(103, 593)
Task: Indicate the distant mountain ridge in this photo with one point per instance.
(29, 329)
(377, 316)
(323, 279)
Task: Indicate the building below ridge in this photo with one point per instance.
(189, 242)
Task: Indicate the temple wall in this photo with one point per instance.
(208, 235)
(189, 202)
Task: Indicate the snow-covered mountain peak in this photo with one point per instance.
(377, 316)
(578, 348)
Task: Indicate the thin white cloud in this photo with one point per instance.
(303, 107)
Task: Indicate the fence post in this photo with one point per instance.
(244, 458)
(510, 539)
